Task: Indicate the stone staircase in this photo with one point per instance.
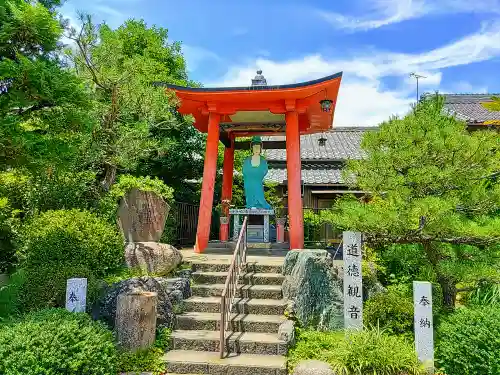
(255, 347)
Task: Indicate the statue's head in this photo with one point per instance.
(256, 145)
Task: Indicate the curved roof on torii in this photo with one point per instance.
(260, 109)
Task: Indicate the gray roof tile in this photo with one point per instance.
(341, 144)
(467, 107)
(320, 175)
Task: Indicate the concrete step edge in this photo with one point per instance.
(267, 338)
(233, 360)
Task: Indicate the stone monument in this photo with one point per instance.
(141, 217)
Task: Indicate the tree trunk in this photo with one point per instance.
(449, 290)
(136, 320)
(109, 176)
(447, 283)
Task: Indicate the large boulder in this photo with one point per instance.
(152, 257)
(142, 216)
(313, 285)
(313, 367)
(170, 292)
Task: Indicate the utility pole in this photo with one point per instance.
(417, 77)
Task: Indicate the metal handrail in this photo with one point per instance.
(238, 262)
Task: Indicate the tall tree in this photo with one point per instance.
(135, 118)
(433, 184)
(43, 121)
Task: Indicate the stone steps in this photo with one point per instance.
(242, 305)
(238, 322)
(239, 342)
(204, 362)
(253, 336)
(219, 266)
(242, 291)
(250, 278)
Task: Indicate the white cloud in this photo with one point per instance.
(197, 55)
(379, 13)
(363, 100)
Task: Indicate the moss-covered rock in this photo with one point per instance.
(314, 287)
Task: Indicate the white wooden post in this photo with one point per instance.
(76, 295)
(424, 331)
(353, 281)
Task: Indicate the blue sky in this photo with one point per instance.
(376, 43)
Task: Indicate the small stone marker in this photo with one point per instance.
(353, 284)
(76, 295)
(424, 331)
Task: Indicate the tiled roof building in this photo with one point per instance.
(322, 162)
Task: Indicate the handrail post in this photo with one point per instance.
(222, 326)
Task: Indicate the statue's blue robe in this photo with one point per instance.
(253, 178)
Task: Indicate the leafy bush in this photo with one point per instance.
(109, 204)
(10, 295)
(32, 194)
(468, 342)
(392, 311)
(53, 342)
(8, 225)
(63, 244)
(72, 237)
(46, 286)
(149, 359)
(366, 352)
(142, 360)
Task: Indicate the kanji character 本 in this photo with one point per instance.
(425, 323)
(73, 297)
(353, 250)
(354, 312)
(353, 291)
(353, 270)
(424, 301)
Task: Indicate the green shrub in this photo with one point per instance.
(469, 342)
(147, 360)
(9, 224)
(312, 345)
(10, 295)
(392, 311)
(109, 204)
(64, 244)
(46, 286)
(142, 360)
(32, 194)
(53, 342)
(72, 238)
(366, 352)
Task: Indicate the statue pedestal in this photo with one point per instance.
(255, 232)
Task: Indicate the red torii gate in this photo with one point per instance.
(226, 113)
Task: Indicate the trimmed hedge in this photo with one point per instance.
(54, 342)
(469, 342)
(64, 244)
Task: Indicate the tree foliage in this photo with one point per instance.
(434, 184)
(42, 105)
(132, 115)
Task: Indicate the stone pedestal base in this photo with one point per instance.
(224, 229)
(153, 258)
